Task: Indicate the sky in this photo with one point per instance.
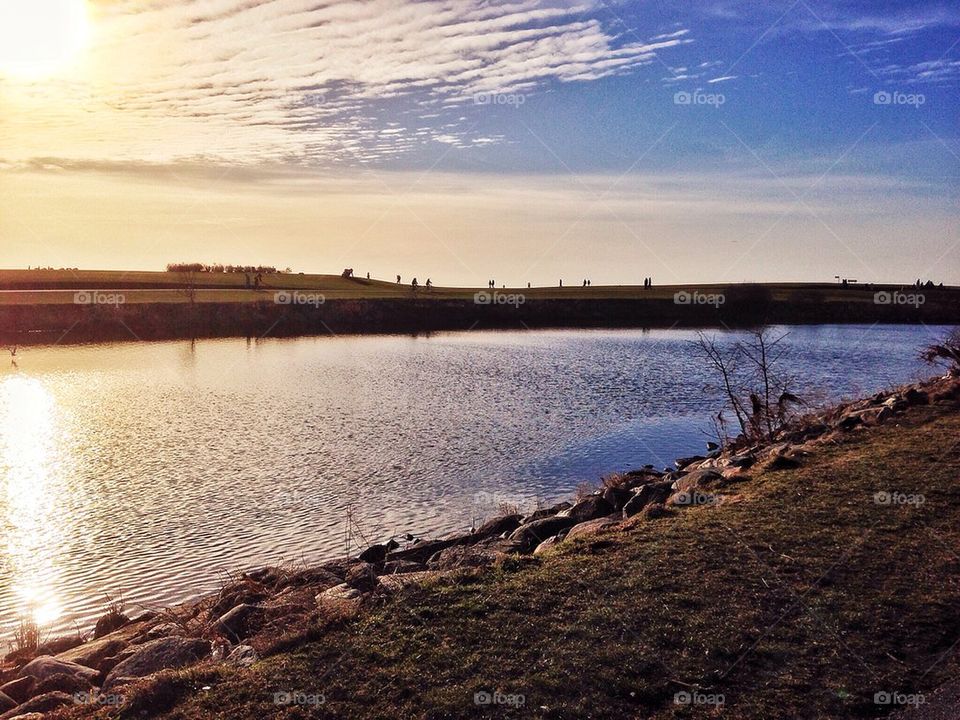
(466, 140)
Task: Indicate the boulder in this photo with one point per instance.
(362, 577)
(914, 396)
(654, 511)
(235, 623)
(617, 496)
(529, 535)
(589, 528)
(698, 479)
(109, 622)
(70, 684)
(245, 591)
(46, 666)
(338, 593)
(93, 653)
(398, 567)
(20, 690)
(170, 653)
(425, 549)
(543, 547)
(498, 526)
(60, 644)
(652, 493)
(242, 656)
(681, 463)
(7, 703)
(589, 508)
(543, 513)
(376, 554)
(40, 704)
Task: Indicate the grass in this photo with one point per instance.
(800, 596)
(41, 287)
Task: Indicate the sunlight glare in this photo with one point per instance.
(38, 38)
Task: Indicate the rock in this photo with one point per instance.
(617, 496)
(424, 550)
(317, 577)
(245, 591)
(60, 644)
(589, 508)
(46, 666)
(398, 567)
(40, 704)
(544, 513)
(166, 653)
(236, 622)
(743, 460)
(850, 421)
(93, 653)
(242, 656)
(376, 554)
(681, 463)
(652, 493)
(339, 593)
(654, 511)
(913, 396)
(109, 622)
(543, 547)
(20, 690)
(589, 528)
(498, 526)
(529, 535)
(70, 684)
(712, 446)
(7, 703)
(782, 462)
(698, 479)
(362, 577)
(394, 583)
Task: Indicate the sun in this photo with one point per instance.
(39, 38)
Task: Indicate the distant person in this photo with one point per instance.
(584, 283)
(414, 284)
(368, 276)
(588, 283)
(528, 286)
(561, 282)
(398, 279)
(429, 283)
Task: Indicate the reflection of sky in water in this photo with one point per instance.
(151, 467)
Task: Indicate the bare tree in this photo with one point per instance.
(946, 352)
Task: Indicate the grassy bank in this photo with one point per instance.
(799, 595)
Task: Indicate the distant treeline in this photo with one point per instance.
(217, 268)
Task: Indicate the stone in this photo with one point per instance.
(93, 653)
(498, 526)
(698, 479)
(376, 554)
(543, 547)
(7, 702)
(60, 644)
(242, 656)
(362, 577)
(40, 704)
(589, 528)
(170, 653)
(399, 567)
(20, 689)
(424, 550)
(913, 396)
(589, 508)
(543, 513)
(338, 593)
(617, 496)
(109, 622)
(529, 535)
(61, 682)
(654, 492)
(236, 622)
(681, 463)
(654, 511)
(46, 666)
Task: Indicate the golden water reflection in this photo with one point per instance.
(30, 486)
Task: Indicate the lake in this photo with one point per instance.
(153, 469)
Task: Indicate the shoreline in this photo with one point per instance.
(257, 613)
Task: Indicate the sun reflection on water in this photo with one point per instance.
(29, 488)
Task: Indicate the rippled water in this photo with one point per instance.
(151, 468)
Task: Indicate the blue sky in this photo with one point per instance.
(466, 139)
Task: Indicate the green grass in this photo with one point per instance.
(801, 597)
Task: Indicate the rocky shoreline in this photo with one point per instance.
(265, 611)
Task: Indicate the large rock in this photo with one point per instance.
(376, 554)
(235, 623)
(7, 702)
(424, 550)
(589, 528)
(40, 704)
(546, 512)
(20, 689)
(165, 653)
(398, 567)
(497, 526)
(242, 656)
(362, 577)
(108, 623)
(529, 535)
(70, 684)
(46, 666)
(697, 480)
(589, 508)
(651, 493)
(339, 594)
